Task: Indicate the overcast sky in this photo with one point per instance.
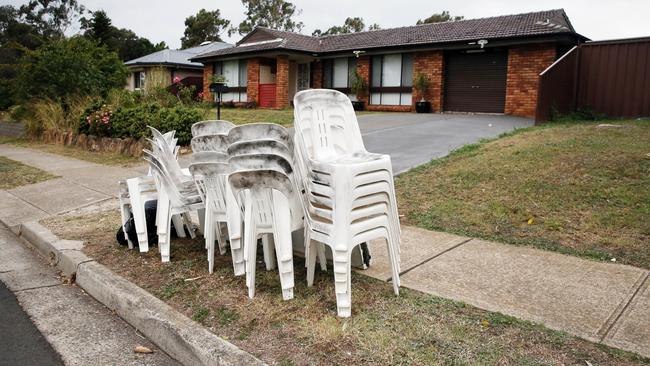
(163, 20)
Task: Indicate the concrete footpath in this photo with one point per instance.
(81, 330)
(603, 302)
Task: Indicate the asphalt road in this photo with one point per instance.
(413, 139)
(20, 342)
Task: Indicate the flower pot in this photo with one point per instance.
(422, 107)
(357, 105)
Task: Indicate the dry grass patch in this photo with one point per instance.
(15, 174)
(104, 158)
(578, 189)
(412, 329)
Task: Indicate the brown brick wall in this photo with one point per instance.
(430, 63)
(253, 80)
(207, 75)
(363, 68)
(525, 63)
(282, 82)
(317, 74)
(389, 108)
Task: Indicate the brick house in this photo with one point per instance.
(480, 65)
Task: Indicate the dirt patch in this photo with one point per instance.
(413, 329)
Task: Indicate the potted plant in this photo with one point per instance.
(420, 83)
(359, 87)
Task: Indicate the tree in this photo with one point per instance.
(351, 25)
(68, 67)
(51, 18)
(274, 14)
(204, 26)
(440, 18)
(125, 42)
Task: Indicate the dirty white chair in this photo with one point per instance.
(175, 199)
(349, 194)
(215, 142)
(135, 192)
(262, 185)
(210, 172)
(211, 127)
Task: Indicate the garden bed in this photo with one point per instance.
(413, 328)
(577, 188)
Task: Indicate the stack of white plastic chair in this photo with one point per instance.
(210, 171)
(134, 193)
(260, 180)
(211, 136)
(177, 193)
(349, 194)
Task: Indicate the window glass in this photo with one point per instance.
(327, 74)
(376, 71)
(352, 67)
(231, 72)
(407, 69)
(390, 98)
(243, 72)
(392, 70)
(340, 79)
(218, 68)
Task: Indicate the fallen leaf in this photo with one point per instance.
(530, 221)
(142, 349)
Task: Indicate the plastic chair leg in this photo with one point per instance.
(268, 245)
(178, 225)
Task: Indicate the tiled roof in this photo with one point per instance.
(506, 26)
(178, 57)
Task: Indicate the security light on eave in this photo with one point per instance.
(482, 42)
(358, 52)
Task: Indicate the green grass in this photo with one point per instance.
(412, 329)
(575, 188)
(15, 174)
(242, 115)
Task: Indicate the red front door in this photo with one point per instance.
(267, 95)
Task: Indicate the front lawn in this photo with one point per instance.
(15, 174)
(412, 329)
(240, 116)
(580, 188)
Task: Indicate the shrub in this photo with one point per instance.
(70, 66)
(50, 115)
(132, 122)
(99, 121)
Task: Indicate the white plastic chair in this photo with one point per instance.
(210, 171)
(349, 196)
(211, 127)
(266, 211)
(135, 192)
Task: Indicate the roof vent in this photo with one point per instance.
(205, 43)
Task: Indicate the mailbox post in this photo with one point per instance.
(217, 89)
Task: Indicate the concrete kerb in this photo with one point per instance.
(177, 335)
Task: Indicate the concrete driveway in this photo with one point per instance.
(413, 139)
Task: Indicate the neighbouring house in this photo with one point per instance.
(160, 68)
(479, 65)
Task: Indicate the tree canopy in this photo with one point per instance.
(70, 66)
(204, 26)
(275, 14)
(123, 41)
(51, 18)
(350, 25)
(440, 18)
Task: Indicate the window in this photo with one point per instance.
(236, 74)
(139, 78)
(338, 73)
(392, 79)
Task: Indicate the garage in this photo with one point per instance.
(475, 81)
